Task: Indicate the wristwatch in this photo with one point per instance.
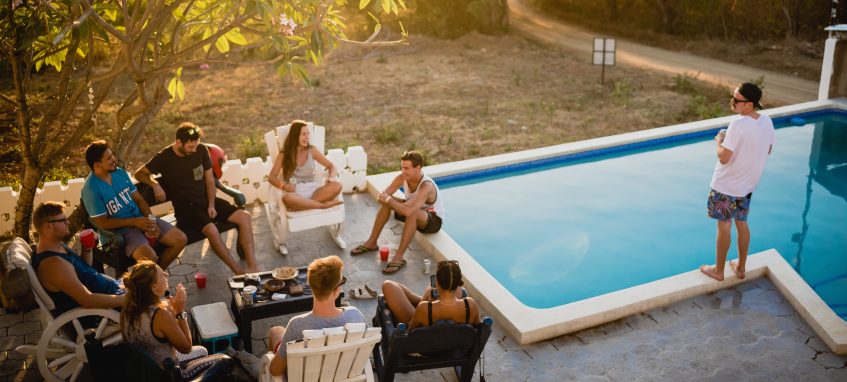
(182, 316)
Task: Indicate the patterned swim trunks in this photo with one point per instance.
(723, 207)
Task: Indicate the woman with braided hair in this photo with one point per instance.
(446, 304)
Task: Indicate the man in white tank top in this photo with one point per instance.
(742, 152)
(421, 210)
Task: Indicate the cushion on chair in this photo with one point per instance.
(304, 213)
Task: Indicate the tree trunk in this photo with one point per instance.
(613, 9)
(129, 139)
(668, 13)
(26, 198)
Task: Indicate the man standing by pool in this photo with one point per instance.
(742, 152)
(421, 210)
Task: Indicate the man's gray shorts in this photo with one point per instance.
(134, 237)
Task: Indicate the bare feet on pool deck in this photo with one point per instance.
(709, 270)
(738, 272)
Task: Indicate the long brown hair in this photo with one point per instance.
(289, 148)
(139, 292)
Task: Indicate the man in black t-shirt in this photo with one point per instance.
(186, 172)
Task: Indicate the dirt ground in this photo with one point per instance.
(794, 57)
(475, 96)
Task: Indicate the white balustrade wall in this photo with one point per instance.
(251, 178)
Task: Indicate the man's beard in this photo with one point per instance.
(67, 238)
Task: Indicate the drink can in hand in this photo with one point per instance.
(427, 266)
(151, 237)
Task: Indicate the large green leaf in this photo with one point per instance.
(236, 37)
(364, 3)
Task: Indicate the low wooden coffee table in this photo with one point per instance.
(246, 314)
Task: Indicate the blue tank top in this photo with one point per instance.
(88, 276)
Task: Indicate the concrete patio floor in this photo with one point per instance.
(744, 333)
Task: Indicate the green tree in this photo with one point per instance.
(93, 48)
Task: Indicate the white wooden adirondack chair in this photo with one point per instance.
(282, 221)
(332, 354)
(60, 353)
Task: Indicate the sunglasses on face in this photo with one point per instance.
(343, 280)
(736, 100)
(64, 220)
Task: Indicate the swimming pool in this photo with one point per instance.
(579, 226)
(499, 289)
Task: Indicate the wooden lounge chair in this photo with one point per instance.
(283, 221)
(332, 354)
(443, 344)
(60, 352)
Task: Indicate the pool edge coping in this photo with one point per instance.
(528, 325)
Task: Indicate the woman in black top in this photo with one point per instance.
(408, 307)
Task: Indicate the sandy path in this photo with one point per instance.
(533, 24)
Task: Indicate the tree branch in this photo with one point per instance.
(108, 27)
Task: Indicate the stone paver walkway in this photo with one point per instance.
(745, 333)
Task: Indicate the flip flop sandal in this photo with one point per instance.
(395, 266)
(360, 294)
(361, 250)
(371, 291)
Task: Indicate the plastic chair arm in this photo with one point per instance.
(237, 196)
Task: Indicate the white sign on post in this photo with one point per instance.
(604, 54)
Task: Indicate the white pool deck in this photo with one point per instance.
(529, 325)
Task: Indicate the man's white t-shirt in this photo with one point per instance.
(750, 141)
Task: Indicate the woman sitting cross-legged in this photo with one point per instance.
(160, 327)
(447, 304)
(296, 160)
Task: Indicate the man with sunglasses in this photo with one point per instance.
(742, 152)
(326, 281)
(186, 170)
(114, 203)
(67, 276)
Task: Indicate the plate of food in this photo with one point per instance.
(285, 273)
(274, 285)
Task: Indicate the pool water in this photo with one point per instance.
(563, 232)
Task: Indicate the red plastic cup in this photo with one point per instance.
(200, 277)
(151, 240)
(86, 238)
(383, 253)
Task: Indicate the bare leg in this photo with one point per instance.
(174, 242)
(743, 245)
(275, 336)
(401, 301)
(327, 192)
(296, 202)
(382, 217)
(145, 252)
(409, 228)
(245, 237)
(217, 245)
(723, 240)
